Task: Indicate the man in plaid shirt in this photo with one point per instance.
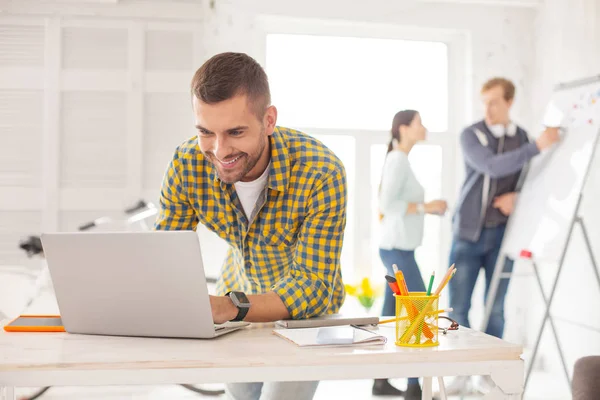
(276, 195)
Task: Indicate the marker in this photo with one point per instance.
(525, 253)
(402, 284)
(417, 322)
(430, 283)
(401, 281)
(392, 284)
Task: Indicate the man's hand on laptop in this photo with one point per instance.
(223, 309)
(266, 307)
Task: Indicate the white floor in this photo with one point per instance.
(541, 387)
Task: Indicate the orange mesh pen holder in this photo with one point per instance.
(417, 320)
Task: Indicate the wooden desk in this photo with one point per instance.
(252, 354)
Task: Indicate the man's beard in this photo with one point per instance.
(249, 160)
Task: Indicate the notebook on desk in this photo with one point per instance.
(327, 320)
(331, 336)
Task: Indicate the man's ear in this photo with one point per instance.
(270, 119)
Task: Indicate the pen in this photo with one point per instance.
(402, 284)
(419, 319)
(430, 283)
(387, 321)
(392, 284)
(400, 279)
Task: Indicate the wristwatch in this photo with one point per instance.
(242, 303)
(420, 208)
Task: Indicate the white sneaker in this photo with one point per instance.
(484, 384)
(460, 386)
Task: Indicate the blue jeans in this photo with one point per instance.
(405, 261)
(469, 258)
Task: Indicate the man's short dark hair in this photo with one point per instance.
(227, 75)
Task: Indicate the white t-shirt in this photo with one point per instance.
(248, 192)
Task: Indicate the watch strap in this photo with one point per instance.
(242, 311)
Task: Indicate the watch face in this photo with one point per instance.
(240, 299)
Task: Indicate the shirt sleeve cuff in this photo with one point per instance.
(303, 300)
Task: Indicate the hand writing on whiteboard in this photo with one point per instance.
(547, 138)
(505, 203)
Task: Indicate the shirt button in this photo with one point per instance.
(329, 260)
(248, 265)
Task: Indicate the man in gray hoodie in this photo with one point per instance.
(495, 152)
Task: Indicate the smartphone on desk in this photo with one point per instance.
(335, 335)
(35, 323)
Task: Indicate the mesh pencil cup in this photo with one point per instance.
(417, 320)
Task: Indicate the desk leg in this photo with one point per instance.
(7, 393)
(509, 382)
(442, 388)
(427, 389)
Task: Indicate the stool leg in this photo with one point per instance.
(427, 389)
(442, 388)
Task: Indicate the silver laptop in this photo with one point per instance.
(132, 284)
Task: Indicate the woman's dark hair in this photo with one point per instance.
(404, 117)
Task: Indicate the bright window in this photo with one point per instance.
(356, 83)
(345, 91)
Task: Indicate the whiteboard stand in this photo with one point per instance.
(547, 300)
(499, 272)
(547, 315)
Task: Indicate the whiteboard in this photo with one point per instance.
(547, 203)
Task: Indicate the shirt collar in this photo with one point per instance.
(499, 130)
(279, 175)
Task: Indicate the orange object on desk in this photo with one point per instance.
(35, 323)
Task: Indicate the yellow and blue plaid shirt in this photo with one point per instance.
(292, 245)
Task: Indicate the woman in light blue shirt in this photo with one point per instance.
(402, 209)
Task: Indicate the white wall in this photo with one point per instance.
(500, 39)
(70, 87)
(567, 48)
(62, 85)
(485, 41)
(52, 88)
(93, 100)
(135, 58)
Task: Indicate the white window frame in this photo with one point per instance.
(458, 89)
